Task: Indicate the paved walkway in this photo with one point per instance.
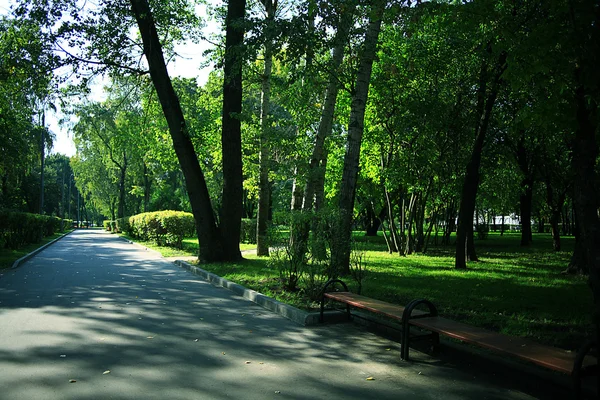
(95, 317)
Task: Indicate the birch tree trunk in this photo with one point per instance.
(341, 246)
(264, 194)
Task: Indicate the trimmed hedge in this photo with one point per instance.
(166, 228)
(18, 228)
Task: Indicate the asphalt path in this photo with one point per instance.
(96, 317)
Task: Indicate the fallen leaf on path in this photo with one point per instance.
(388, 349)
(150, 337)
(223, 353)
(72, 381)
(248, 362)
(261, 362)
(63, 355)
(370, 378)
(106, 372)
(195, 340)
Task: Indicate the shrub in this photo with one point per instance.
(18, 228)
(163, 227)
(482, 231)
(122, 225)
(248, 231)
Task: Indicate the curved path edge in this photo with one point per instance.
(292, 313)
(26, 257)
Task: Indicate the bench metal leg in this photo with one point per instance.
(579, 371)
(406, 316)
(332, 282)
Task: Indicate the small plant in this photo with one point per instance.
(358, 269)
(482, 231)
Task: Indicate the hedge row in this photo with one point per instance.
(166, 228)
(169, 227)
(18, 229)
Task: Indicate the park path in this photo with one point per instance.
(123, 323)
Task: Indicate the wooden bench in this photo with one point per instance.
(577, 365)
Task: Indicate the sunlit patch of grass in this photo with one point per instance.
(512, 289)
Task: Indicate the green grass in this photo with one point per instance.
(190, 247)
(514, 290)
(8, 256)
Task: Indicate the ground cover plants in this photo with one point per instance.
(514, 290)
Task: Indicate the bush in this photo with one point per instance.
(482, 231)
(166, 228)
(248, 231)
(106, 224)
(18, 228)
(122, 225)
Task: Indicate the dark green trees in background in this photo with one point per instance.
(414, 118)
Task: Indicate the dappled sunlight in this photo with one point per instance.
(130, 325)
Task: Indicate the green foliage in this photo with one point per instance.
(517, 291)
(482, 231)
(107, 225)
(166, 228)
(18, 229)
(248, 231)
(122, 225)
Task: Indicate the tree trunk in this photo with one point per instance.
(471, 183)
(525, 202)
(586, 197)
(315, 181)
(122, 191)
(316, 167)
(147, 187)
(231, 137)
(43, 160)
(297, 192)
(340, 255)
(526, 196)
(209, 240)
(264, 190)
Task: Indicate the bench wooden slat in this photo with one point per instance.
(375, 306)
(547, 356)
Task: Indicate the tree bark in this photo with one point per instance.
(122, 191)
(231, 138)
(586, 195)
(264, 194)
(526, 195)
(340, 254)
(209, 239)
(464, 233)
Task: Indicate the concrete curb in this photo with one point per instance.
(26, 257)
(292, 313)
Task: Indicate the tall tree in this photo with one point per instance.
(341, 246)
(486, 99)
(231, 138)
(209, 237)
(264, 196)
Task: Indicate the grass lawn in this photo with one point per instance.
(517, 291)
(190, 247)
(514, 290)
(8, 256)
